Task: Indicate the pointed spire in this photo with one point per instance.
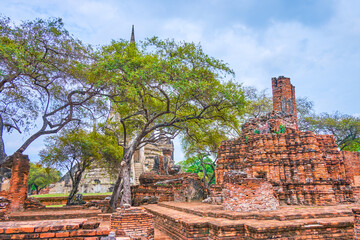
(132, 40)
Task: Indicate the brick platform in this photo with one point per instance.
(51, 214)
(204, 221)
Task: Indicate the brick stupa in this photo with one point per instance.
(303, 168)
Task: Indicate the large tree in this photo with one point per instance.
(73, 150)
(44, 79)
(157, 89)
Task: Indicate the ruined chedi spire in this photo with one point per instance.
(284, 96)
(132, 39)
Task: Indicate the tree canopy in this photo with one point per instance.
(44, 74)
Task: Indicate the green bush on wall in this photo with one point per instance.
(282, 128)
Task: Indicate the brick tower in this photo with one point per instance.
(284, 96)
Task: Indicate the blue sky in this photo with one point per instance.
(315, 43)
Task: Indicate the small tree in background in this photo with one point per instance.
(345, 128)
(201, 143)
(202, 165)
(74, 151)
(259, 102)
(40, 177)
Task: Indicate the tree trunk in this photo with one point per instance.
(116, 192)
(206, 185)
(126, 195)
(2, 145)
(75, 187)
(37, 190)
(124, 176)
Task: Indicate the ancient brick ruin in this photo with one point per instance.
(304, 168)
(133, 222)
(14, 198)
(273, 182)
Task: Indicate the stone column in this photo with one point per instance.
(19, 181)
(284, 96)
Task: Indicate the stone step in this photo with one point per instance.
(52, 215)
(52, 229)
(282, 214)
(184, 225)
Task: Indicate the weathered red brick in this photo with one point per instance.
(47, 235)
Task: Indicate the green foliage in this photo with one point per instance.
(194, 165)
(304, 110)
(256, 131)
(72, 148)
(353, 146)
(40, 177)
(166, 83)
(246, 139)
(281, 128)
(110, 151)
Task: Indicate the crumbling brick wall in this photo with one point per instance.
(179, 187)
(352, 166)
(17, 191)
(295, 163)
(273, 122)
(356, 223)
(247, 194)
(133, 222)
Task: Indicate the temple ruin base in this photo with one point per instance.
(205, 221)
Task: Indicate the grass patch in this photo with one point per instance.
(66, 194)
(50, 206)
